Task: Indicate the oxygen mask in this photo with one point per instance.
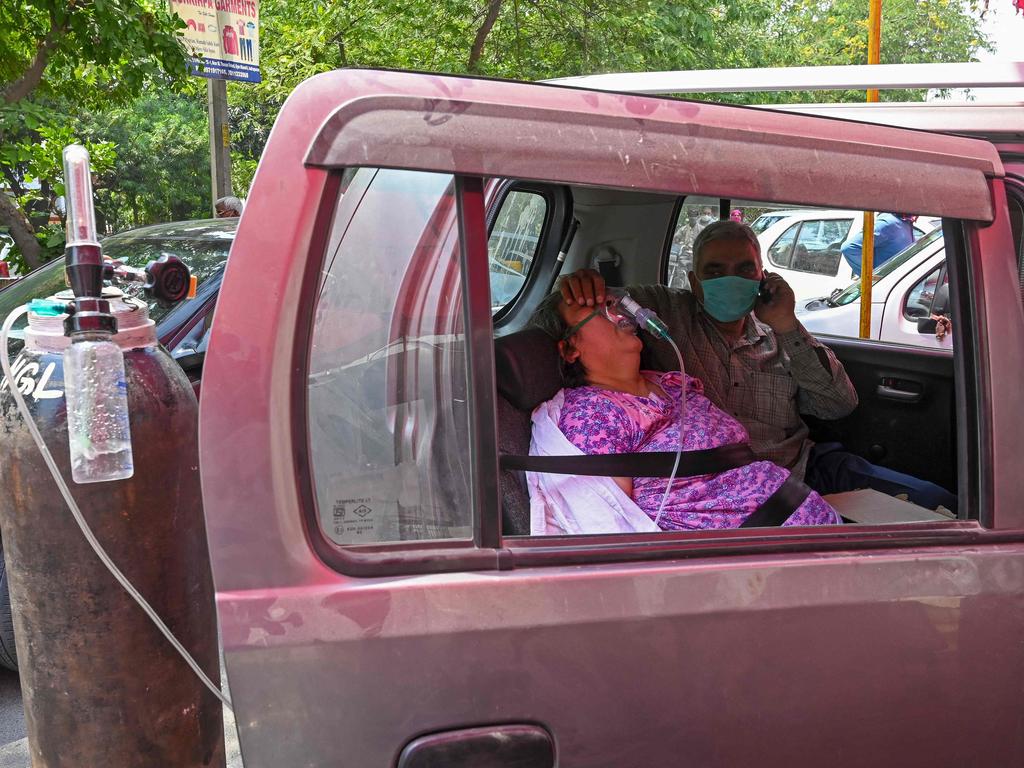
(622, 310)
(617, 314)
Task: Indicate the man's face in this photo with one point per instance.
(723, 258)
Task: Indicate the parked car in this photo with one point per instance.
(204, 246)
(904, 296)
(804, 247)
(366, 541)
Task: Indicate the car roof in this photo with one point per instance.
(198, 229)
(811, 213)
(996, 122)
(829, 77)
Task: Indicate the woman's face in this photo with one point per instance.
(599, 344)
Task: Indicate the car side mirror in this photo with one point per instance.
(926, 325)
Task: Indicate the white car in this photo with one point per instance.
(907, 291)
(803, 245)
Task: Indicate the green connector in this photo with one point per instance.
(47, 308)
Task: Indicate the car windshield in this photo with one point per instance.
(851, 293)
(205, 256)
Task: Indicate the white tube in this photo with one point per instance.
(682, 431)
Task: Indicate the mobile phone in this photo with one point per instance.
(763, 294)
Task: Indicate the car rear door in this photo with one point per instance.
(373, 613)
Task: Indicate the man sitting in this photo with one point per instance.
(758, 363)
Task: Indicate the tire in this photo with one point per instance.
(8, 652)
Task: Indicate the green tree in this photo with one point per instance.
(519, 39)
(161, 171)
(57, 57)
(791, 33)
(537, 39)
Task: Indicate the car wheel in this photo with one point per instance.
(8, 653)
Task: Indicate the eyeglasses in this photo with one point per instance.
(611, 312)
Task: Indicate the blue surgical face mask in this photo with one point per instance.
(729, 298)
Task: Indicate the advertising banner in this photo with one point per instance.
(222, 37)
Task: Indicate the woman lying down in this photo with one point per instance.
(609, 405)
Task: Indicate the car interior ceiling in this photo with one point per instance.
(635, 227)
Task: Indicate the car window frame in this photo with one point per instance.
(494, 209)
(678, 205)
(822, 222)
(490, 549)
(939, 270)
(544, 269)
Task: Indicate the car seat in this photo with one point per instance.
(527, 370)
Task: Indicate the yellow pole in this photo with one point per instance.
(874, 40)
(867, 256)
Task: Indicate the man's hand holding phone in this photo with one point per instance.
(776, 304)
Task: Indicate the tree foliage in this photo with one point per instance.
(834, 32)
(153, 148)
(57, 57)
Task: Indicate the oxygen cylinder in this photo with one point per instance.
(101, 685)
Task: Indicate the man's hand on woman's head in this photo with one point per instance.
(584, 287)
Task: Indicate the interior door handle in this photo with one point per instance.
(887, 392)
(495, 746)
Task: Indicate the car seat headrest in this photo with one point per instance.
(527, 368)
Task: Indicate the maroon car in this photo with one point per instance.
(381, 598)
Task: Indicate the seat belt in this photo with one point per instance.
(774, 511)
(652, 464)
(777, 508)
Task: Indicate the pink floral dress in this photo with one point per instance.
(598, 420)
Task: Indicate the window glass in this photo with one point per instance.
(695, 214)
(387, 375)
(925, 294)
(818, 246)
(780, 252)
(514, 239)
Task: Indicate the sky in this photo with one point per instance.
(1005, 28)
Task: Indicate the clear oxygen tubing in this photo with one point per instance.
(5, 363)
(650, 322)
(682, 429)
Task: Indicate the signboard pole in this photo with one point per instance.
(223, 42)
(220, 145)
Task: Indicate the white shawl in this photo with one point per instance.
(572, 504)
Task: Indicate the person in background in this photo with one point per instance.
(228, 207)
(706, 217)
(736, 215)
(893, 233)
(682, 249)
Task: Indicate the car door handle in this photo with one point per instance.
(888, 392)
(496, 746)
